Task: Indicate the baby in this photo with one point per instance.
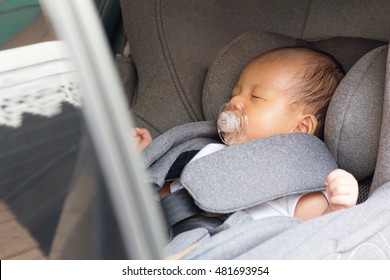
(281, 91)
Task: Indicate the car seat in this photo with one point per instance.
(173, 45)
(354, 105)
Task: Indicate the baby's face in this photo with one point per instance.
(263, 90)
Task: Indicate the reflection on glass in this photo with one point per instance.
(40, 131)
(53, 198)
(24, 22)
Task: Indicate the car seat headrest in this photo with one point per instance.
(354, 116)
(347, 51)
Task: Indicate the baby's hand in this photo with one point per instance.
(342, 189)
(142, 137)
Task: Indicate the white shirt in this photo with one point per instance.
(284, 206)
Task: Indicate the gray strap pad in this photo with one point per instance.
(164, 150)
(244, 175)
(248, 174)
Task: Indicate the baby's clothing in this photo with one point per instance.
(284, 206)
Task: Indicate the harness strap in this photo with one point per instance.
(181, 212)
(179, 164)
(179, 206)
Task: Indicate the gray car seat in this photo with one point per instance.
(354, 105)
(173, 46)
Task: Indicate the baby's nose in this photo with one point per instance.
(236, 99)
(236, 96)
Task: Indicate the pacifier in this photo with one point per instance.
(232, 123)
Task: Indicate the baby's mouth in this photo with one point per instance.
(232, 123)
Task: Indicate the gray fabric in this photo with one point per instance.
(184, 240)
(248, 174)
(382, 173)
(128, 76)
(242, 238)
(159, 169)
(164, 150)
(361, 232)
(234, 219)
(352, 18)
(225, 70)
(346, 50)
(355, 113)
(176, 136)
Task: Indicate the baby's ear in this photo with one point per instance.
(308, 124)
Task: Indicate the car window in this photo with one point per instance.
(49, 176)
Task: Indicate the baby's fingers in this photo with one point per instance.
(339, 176)
(142, 136)
(342, 200)
(341, 186)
